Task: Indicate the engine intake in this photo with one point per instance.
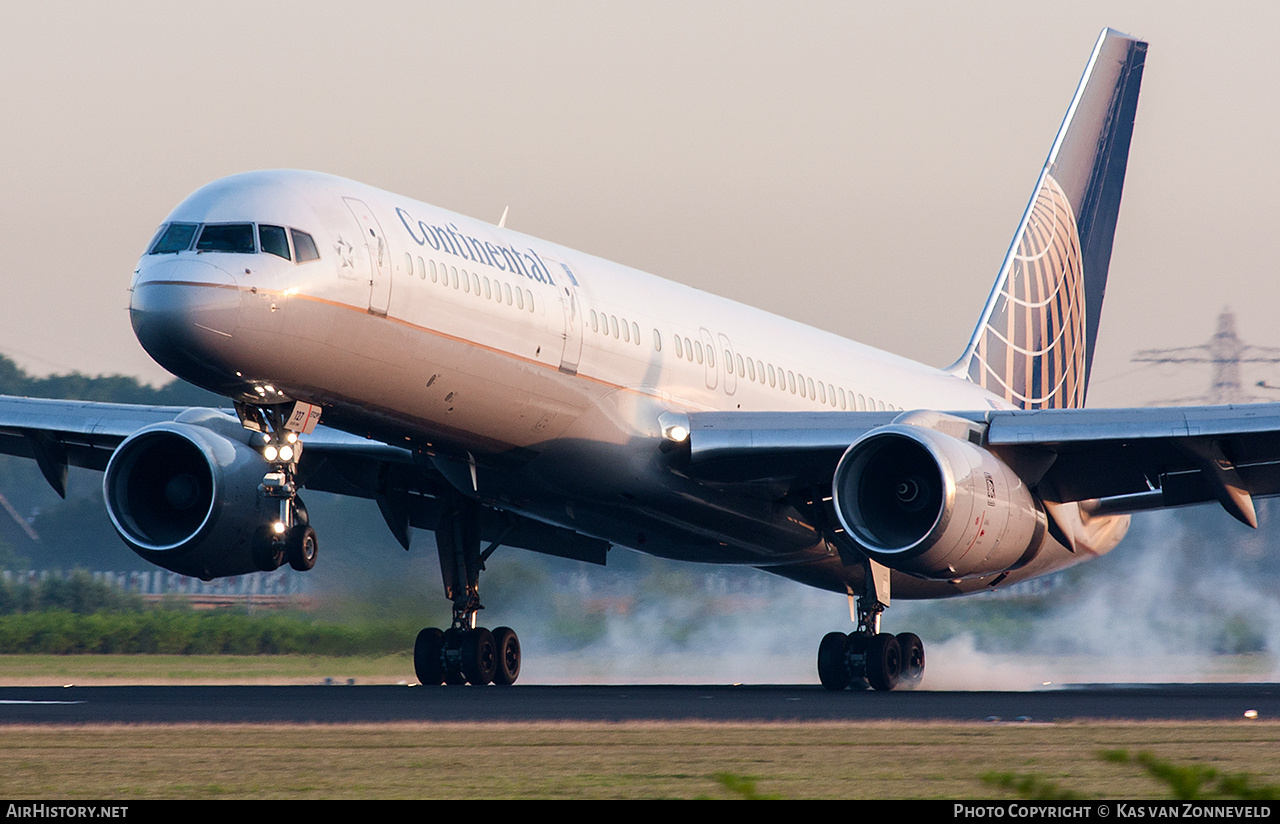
(184, 495)
(926, 503)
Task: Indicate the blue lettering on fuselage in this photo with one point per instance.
(450, 239)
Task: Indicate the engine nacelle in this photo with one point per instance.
(184, 495)
(923, 502)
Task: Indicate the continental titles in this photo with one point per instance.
(450, 239)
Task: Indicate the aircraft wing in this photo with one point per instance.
(61, 433)
(58, 433)
(1115, 460)
(408, 488)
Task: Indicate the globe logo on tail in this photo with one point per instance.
(1032, 347)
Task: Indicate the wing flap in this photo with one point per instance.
(1192, 454)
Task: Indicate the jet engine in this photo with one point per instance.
(184, 495)
(922, 502)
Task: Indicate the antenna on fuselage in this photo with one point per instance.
(502, 224)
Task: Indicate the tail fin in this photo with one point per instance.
(1034, 343)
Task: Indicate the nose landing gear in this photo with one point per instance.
(290, 537)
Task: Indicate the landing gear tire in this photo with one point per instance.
(833, 661)
(301, 548)
(508, 646)
(268, 551)
(452, 651)
(467, 656)
(858, 661)
(912, 659)
(883, 662)
(428, 657)
(857, 652)
(479, 656)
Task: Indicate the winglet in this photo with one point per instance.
(1034, 343)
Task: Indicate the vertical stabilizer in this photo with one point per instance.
(1034, 344)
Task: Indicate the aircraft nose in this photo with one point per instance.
(184, 313)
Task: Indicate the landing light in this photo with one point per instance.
(278, 527)
(270, 453)
(286, 453)
(674, 426)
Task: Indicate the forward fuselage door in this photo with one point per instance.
(379, 256)
(572, 330)
(571, 355)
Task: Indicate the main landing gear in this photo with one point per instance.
(464, 653)
(870, 658)
(289, 537)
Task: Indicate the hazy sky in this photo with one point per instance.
(852, 165)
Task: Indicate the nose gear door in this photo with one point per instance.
(379, 256)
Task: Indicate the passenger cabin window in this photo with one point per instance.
(176, 238)
(227, 237)
(273, 240)
(305, 246)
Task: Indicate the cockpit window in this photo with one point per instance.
(305, 246)
(175, 238)
(273, 240)
(227, 237)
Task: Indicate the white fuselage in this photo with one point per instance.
(543, 368)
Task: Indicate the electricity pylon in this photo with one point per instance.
(1224, 352)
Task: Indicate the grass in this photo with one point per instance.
(600, 760)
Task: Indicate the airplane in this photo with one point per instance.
(501, 390)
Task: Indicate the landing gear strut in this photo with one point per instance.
(289, 537)
(868, 657)
(464, 653)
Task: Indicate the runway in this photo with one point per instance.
(728, 704)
